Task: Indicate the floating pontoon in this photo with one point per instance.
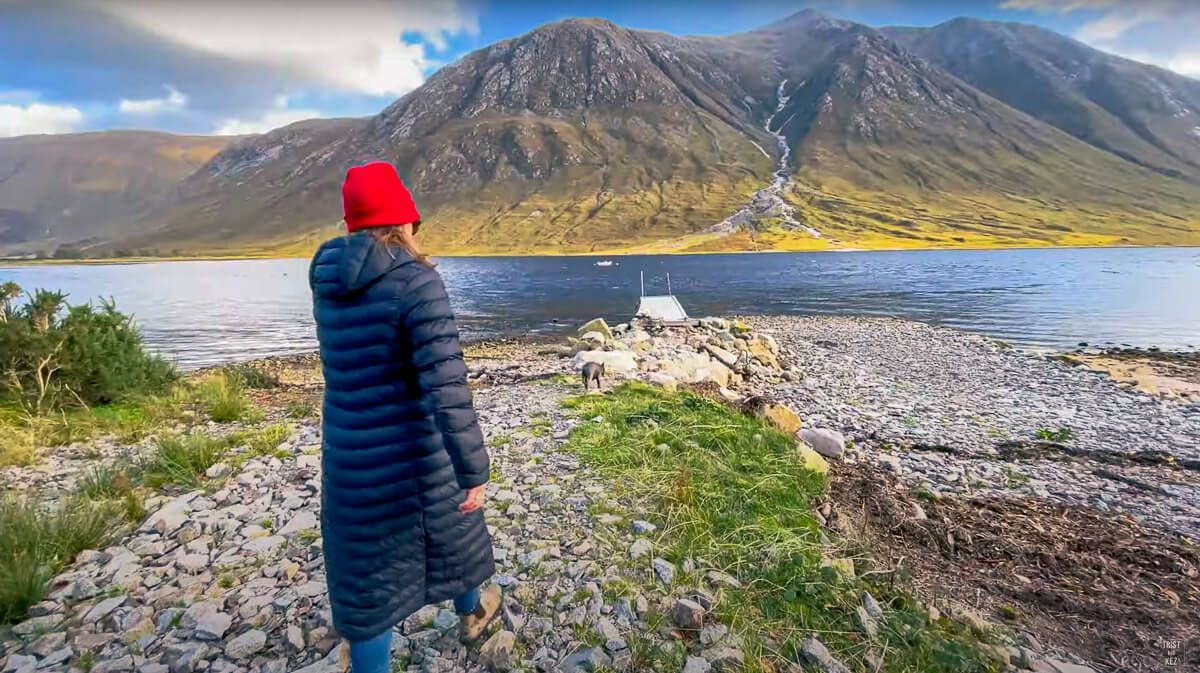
(663, 307)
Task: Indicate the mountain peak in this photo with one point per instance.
(805, 19)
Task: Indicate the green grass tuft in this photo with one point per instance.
(182, 460)
(37, 542)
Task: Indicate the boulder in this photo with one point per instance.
(696, 665)
(615, 362)
(598, 325)
(828, 443)
(594, 337)
(723, 356)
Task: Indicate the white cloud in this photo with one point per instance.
(354, 46)
(174, 100)
(279, 115)
(16, 120)
(1162, 32)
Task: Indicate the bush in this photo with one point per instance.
(37, 542)
(55, 357)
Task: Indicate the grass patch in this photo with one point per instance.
(302, 410)
(37, 542)
(1060, 435)
(733, 491)
(223, 398)
(182, 460)
(249, 375)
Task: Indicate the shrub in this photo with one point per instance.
(55, 357)
(37, 542)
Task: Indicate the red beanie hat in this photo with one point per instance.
(374, 196)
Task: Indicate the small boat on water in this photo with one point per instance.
(606, 262)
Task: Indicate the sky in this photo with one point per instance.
(248, 66)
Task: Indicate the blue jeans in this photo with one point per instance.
(375, 655)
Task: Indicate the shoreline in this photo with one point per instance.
(620, 252)
(940, 474)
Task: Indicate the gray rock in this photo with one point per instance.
(584, 660)
(445, 620)
(688, 614)
(102, 609)
(56, 657)
(301, 521)
(815, 652)
(48, 643)
(513, 614)
(718, 578)
(212, 625)
(872, 606)
(866, 622)
(217, 470)
(246, 645)
(727, 659)
(152, 667)
(664, 571)
(643, 527)
(192, 563)
(118, 665)
(265, 545)
(19, 663)
(640, 547)
(294, 638)
(1064, 667)
(828, 443)
(332, 663)
(497, 653)
(696, 665)
(712, 634)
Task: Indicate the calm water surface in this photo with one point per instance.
(200, 313)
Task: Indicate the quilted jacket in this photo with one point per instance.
(401, 442)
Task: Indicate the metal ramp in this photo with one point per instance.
(663, 307)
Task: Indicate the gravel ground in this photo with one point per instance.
(958, 413)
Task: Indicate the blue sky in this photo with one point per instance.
(220, 66)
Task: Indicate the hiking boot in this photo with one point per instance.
(475, 623)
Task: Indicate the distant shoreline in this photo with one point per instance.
(6, 262)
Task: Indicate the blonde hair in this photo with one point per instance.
(401, 236)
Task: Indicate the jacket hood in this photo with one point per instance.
(347, 265)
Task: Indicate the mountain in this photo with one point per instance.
(1139, 112)
(578, 135)
(809, 133)
(58, 189)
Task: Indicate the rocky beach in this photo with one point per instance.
(1033, 499)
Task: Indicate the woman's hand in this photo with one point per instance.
(473, 501)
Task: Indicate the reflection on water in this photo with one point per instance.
(202, 313)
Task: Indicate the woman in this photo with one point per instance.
(403, 461)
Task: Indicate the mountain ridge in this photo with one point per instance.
(582, 135)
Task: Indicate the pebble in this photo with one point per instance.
(664, 571)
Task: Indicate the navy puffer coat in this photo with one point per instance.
(401, 441)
